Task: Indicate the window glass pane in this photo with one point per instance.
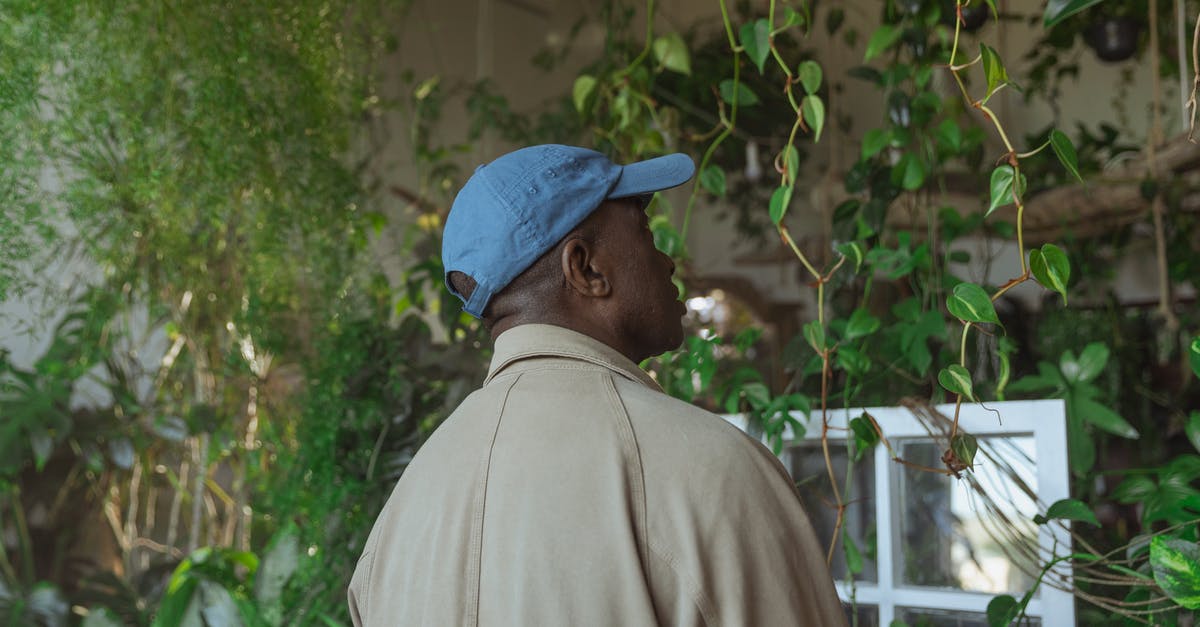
(925, 617)
(862, 616)
(975, 533)
(806, 462)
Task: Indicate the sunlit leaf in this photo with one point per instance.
(813, 110)
(756, 40)
(883, 38)
(1066, 152)
(970, 303)
(672, 53)
(1176, 566)
(779, 203)
(810, 76)
(957, 380)
(1051, 268)
(582, 91)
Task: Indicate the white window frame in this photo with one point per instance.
(1044, 420)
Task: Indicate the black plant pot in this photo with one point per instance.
(1113, 38)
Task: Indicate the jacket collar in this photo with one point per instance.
(529, 341)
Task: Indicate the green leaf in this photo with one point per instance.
(814, 334)
(909, 173)
(813, 110)
(1066, 152)
(883, 38)
(582, 91)
(712, 179)
(779, 203)
(854, 560)
(756, 40)
(756, 394)
(278, 565)
(853, 361)
(1192, 429)
(1090, 364)
(993, 68)
(745, 97)
(1104, 418)
(1059, 10)
(957, 379)
(791, 161)
(810, 76)
(1051, 268)
(1002, 188)
(965, 446)
(970, 303)
(1002, 611)
(1068, 509)
(672, 53)
(865, 435)
(1176, 566)
(852, 251)
(861, 324)
(949, 135)
(874, 141)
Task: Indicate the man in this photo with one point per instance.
(569, 490)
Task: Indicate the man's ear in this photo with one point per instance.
(581, 271)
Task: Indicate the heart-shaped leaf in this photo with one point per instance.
(883, 38)
(745, 97)
(779, 203)
(1068, 509)
(1004, 180)
(712, 178)
(756, 41)
(965, 446)
(993, 68)
(1066, 152)
(957, 379)
(813, 110)
(672, 53)
(970, 303)
(810, 76)
(582, 91)
(1051, 268)
(1002, 611)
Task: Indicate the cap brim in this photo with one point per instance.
(653, 175)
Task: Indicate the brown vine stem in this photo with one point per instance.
(1157, 207)
(1191, 102)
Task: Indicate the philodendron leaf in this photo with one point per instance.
(1002, 611)
(1066, 152)
(1004, 183)
(1068, 509)
(712, 179)
(582, 91)
(756, 40)
(1176, 566)
(779, 203)
(672, 53)
(745, 97)
(1059, 10)
(852, 251)
(1051, 268)
(883, 38)
(969, 303)
(810, 76)
(957, 379)
(964, 446)
(865, 435)
(874, 141)
(813, 110)
(993, 68)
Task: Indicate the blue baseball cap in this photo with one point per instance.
(514, 209)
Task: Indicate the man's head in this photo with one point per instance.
(558, 235)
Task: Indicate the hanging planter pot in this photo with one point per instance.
(1113, 38)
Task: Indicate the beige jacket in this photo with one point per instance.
(570, 490)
